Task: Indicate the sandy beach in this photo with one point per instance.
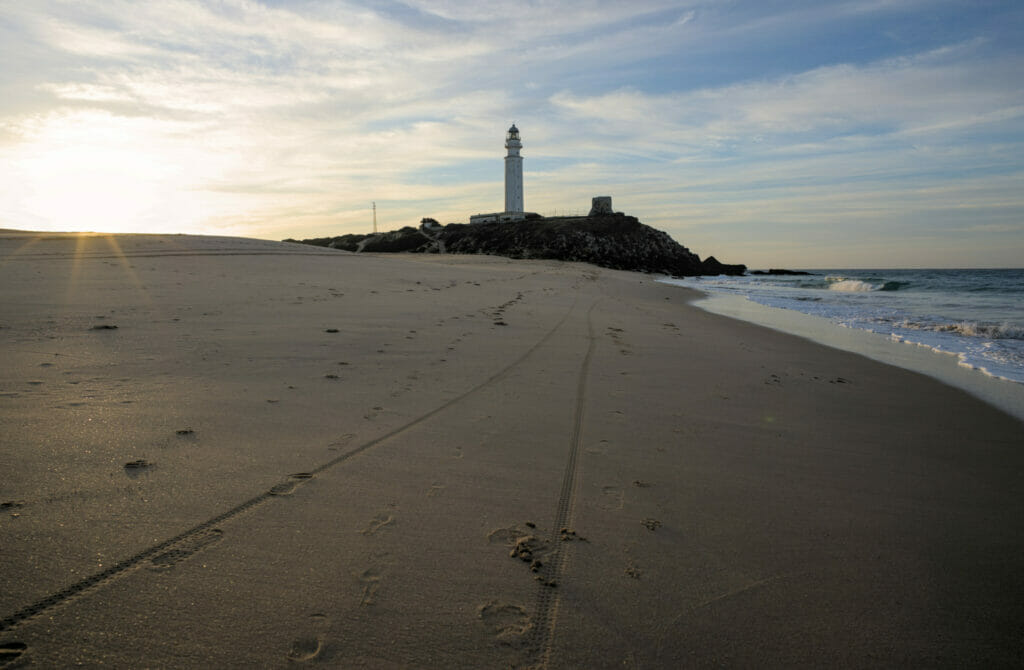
(234, 453)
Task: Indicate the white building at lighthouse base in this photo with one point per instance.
(502, 217)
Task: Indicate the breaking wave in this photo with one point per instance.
(861, 286)
(852, 286)
(991, 331)
(975, 314)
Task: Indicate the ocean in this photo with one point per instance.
(976, 315)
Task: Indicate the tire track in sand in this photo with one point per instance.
(545, 609)
(291, 483)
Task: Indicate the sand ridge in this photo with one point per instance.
(434, 461)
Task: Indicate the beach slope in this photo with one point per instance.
(222, 452)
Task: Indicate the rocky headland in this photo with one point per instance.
(613, 241)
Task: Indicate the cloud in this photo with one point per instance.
(288, 120)
(905, 95)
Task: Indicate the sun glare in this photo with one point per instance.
(88, 176)
(91, 246)
(78, 189)
(101, 173)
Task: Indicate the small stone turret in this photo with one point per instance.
(601, 204)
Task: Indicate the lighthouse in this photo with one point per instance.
(513, 171)
(513, 185)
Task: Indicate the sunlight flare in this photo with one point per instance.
(96, 172)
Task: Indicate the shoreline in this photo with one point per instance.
(216, 458)
(1005, 395)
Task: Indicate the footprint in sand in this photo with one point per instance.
(524, 544)
(288, 486)
(185, 549)
(508, 623)
(370, 579)
(309, 647)
(305, 649)
(507, 536)
(377, 523)
(612, 498)
(135, 468)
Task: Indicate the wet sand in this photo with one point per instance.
(235, 453)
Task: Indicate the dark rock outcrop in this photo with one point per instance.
(711, 266)
(777, 271)
(613, 241)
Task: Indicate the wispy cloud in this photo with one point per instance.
(903, 95)
(716, 122)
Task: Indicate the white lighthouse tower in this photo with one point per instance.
(513, 185)
(513, 171)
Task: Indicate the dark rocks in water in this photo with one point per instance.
(613, 241)
(711, 266)
(777, 271)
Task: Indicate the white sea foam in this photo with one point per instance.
(853, 286)
(999, 358)
(1000, 331)
(974, 315)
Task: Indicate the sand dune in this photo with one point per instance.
(222, 452)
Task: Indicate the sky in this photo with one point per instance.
(775, 133)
